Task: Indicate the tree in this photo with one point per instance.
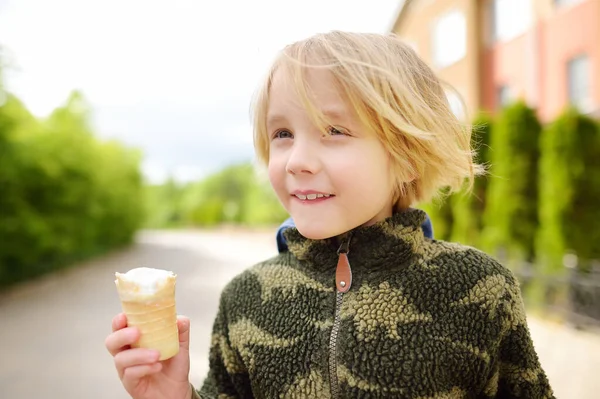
(511, 217)
(468, 209)
(570, 191)
(236, 195)
(65, 195)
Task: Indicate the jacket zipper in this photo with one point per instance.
(343, 281)
(333, 347)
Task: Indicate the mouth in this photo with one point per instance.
(312, 196)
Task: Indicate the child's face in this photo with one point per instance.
(348, 163)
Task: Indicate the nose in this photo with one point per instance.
(303, 157)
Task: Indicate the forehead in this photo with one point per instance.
(292, 88)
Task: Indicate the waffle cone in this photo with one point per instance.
(154, 315)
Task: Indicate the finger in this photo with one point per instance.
(131, 374)
(120, 339)
(183, 324)
(119, 321)
(135, 357)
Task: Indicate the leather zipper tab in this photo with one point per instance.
(343, 272)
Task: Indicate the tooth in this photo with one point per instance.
(311, 196)
(326, 195)
(319, 195)
(300, 196)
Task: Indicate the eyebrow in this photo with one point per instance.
(333, 113)
(276, 119)
(337, 113)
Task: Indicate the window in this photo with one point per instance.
(449, 39)
(510, 18)
(579, 82)
(504, 97)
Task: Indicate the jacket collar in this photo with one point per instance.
(393, 240)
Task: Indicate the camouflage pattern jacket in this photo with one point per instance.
(383, 312)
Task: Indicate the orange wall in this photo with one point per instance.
(534, 64)
(571, 32)
(506, 64)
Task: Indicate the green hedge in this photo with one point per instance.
(510, 218)
(65, 195)
(234, 195)
(468, 208)
(570, 191)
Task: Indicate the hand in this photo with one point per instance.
(142, 375)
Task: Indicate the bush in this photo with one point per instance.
(65, 195)
(234, 195)
(510, 219)
(163, 204)
(468, 208)
(570, 191)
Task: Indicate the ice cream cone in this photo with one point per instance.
(148, 300)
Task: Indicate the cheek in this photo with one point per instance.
(276, 169)
(372, 173)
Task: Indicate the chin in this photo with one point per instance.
(317, 232)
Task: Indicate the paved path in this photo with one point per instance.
(53, 329)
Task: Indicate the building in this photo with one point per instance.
(492, 52)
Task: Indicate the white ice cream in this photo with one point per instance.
(147, 279)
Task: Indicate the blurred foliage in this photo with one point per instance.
(458, 217)
(539, 198)
(511, 214)
(66, 196)
(468, 208)
(235, 195)
(569, 182)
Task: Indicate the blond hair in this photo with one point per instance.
(395, 95)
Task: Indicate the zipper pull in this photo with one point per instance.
(343, 272)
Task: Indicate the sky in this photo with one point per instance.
(173, 78)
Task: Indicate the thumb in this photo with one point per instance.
(183, 324)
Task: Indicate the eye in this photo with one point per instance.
(336, 131)
(283, 134)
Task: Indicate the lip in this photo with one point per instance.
(308, 192)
